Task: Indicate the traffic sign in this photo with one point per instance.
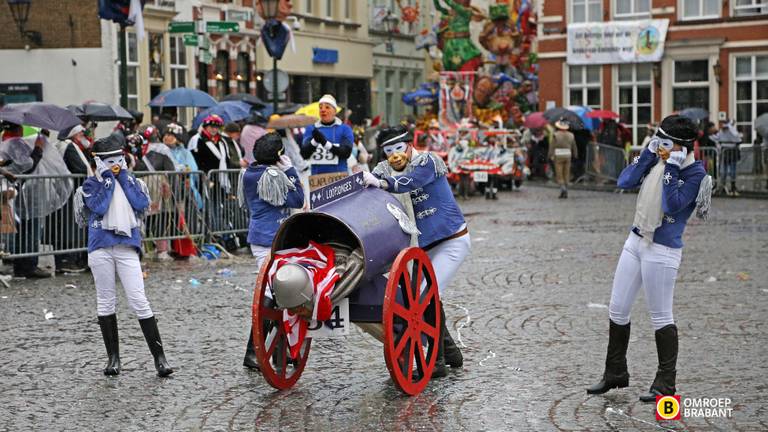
(190, 40)
(222, 27)
(181, 27)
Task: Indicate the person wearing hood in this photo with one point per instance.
(328, 143)
(111, 203)
(672, 186)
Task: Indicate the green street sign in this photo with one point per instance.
(190, 40)
(181, 27)
(206, 57)
(222, 27)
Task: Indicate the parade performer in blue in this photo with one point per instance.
(270, 188)
(443, 231)
(328, 143)
(672, 185)
(112, 203)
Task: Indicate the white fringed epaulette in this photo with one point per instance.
(241, 201)
(422, 158)
(273, 186)
(82, 213)
(145, 191)
(704, 198)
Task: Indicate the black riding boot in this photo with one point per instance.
(152, 335)
(451, 351)
(615, 375)
(666, 347)
(250, 354)
(108, 326)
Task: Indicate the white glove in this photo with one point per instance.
(123, 165)
(101, 167)
(371, 180)
(284, 163)
(677, 157)
(314, 143)
(653, 145)
(328, 145)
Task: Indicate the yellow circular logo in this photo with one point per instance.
(668, 407)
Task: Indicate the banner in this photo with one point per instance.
(617, 42)
(455, 97)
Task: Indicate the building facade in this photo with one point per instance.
(715, 57)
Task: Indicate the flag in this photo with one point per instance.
(124, 12)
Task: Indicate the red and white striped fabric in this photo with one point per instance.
(318, 260)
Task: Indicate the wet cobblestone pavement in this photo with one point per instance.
(530, 306)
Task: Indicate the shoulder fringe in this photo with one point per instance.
(82, 213)
(145, 191)
(440, 168)
(704, 198)
(381, 169)
(273, 188)
(240, 191)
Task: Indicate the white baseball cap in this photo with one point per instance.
(330, 100)
(75, 130)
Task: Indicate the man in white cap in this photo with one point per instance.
(328, 143)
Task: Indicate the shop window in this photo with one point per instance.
(222, 73)
(243, 72)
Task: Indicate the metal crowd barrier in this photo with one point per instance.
(605, 162)
(225, 215)
(178, 207)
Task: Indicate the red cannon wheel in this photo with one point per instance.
(270, 340)
(411, 321)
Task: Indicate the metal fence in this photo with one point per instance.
(37, 216)
(605, 162)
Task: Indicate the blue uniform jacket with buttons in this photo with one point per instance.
(280, 191)
(438, 216)
(97, 195)
(339, 134)
(678, 199)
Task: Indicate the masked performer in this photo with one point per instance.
(444, 235)
(112, 203)
(671, 185)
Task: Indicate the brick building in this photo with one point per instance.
(715, 56)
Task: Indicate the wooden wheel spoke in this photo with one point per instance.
(429, 330)
(400, 311)
(405, 289)
(410, 360)
(416, 277)
(422, 356)
(401, 344)
(425, 301)
(271, 341)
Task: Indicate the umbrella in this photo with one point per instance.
(98, 111)
(282, 109)
(183, 97)
(248, 137)
(582, 111)
(602, 114)
(695, 114)
(535, 120)
(245, 97)
(39, 114)
(230, 111)
(761, 125)
(312, 110)
(555, 114)
(291, 121)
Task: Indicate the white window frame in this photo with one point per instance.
(692, 84)
(634, 83)
(133, 64)
(583, 85)
(307, 7)
(681, 11)
(754, 4)
(347, 12)
(617, 15)
(329, 8)
(751, 78)
(179, 69)
(571, 6)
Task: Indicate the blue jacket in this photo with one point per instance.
(339, 135)
(438, 216)
(267, 214)
(97, 195)
(678, 197)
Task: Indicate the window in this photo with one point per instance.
(133, 71)
(308, 7)
(586, 11)
(751, 92)
(750, 7)
(629, 8)
(329, 8)
(243, 72)
(222, 73)
(584, 86)
(700, 9)
(691, 85)
(634, 97)
(179, 70)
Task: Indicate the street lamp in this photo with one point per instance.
(390, 26)
(20, 14)
(271, 8)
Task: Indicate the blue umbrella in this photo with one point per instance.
(228, 110)
(183, 97)
(581, 111)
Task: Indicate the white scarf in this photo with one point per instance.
(648, 212)
(221, 153)
(120, 216)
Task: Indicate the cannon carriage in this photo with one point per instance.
(395, 287)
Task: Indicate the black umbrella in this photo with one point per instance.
(695, 114)
(39, 114)
(98, 111)
(559, 113)
(247, 98)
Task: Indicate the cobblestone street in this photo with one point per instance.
(529, 306)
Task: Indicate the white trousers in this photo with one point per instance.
(260, 253)
(123, 261)
(447, 258)
(653, 266)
